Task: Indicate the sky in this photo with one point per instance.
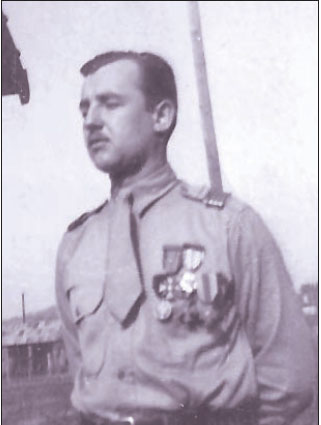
(262, 67)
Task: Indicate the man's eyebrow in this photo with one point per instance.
(102, 97)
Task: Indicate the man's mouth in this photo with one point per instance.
(98, 142)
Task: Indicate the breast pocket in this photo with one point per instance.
(89, 314)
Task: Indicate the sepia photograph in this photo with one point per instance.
(159, 213)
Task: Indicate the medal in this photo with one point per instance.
(193, 256)
(207, 290)
(172, 258)
(180, 264)
(164, 310)
(188, 282)
(164, 286)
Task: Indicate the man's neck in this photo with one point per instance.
(119, 182)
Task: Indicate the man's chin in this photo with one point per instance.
(115, 167)
(103, 165)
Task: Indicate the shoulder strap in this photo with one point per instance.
(204, 194)
(80, 220)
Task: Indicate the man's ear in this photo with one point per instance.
(164, 115)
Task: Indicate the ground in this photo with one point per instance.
(37, 401)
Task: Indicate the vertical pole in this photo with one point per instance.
(23, 308)
(30, 360)
(5, 353)
(205, 102)
(50, 363)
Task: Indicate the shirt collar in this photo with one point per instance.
(150, 189)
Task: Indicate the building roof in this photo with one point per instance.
(25, 334)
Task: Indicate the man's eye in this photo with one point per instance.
(112, 104)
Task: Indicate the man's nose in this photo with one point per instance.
(93, 119)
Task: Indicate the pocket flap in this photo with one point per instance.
(85, 300)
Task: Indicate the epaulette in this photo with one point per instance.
(205, 195)
(80, 220)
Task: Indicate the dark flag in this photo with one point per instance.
(14, 77)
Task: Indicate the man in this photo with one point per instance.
(176, 309)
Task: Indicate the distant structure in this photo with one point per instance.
(29, 351)
(14, 77)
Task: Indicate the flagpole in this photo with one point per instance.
(207, 120)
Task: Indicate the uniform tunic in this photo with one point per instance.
(245, 339)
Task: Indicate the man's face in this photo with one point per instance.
(118, 128)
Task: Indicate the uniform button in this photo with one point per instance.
(121, 374)
(126, 375)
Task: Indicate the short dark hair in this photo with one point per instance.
(158, 80)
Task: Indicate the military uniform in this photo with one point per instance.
(215, 325)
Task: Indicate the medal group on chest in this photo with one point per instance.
(184, 291)
(179, 281)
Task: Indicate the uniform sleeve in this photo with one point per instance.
(281, 342)
(69, 329)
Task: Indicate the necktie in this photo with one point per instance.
(124, 285)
